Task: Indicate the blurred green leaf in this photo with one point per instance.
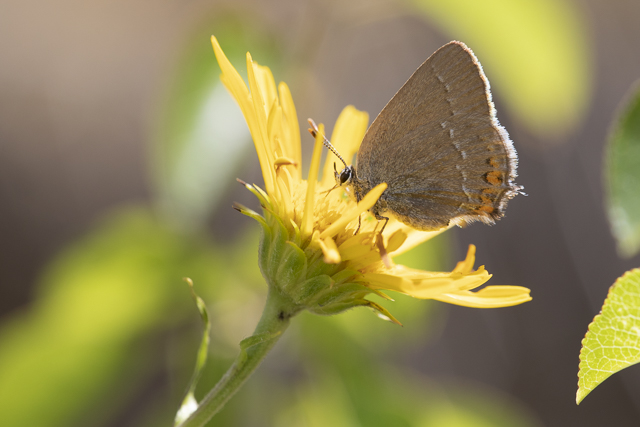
(535, 52)
(201, 136)
(322, 402)
(84, 348)
(622, 176)
(189, 403)
(613, 340)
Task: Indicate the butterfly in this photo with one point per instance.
(439, 147)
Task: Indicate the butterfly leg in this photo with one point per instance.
(379, 242)
(359, 224)
(386, 220)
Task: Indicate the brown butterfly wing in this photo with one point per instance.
(439, 147)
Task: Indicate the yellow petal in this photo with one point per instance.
(274, 128)
(307, 218)
(355, 247)
(291, 144)
(396, 240)
(365, 204)
(489, 297)
(266, 85)
(346, 138)
(330, 251)
(425, 285)
(414, 237)
(368, 262)
(259, 129)
(284, 161)
(231, 78)
(285, 204)
(386, 281)
(255, 117)
(467, 265)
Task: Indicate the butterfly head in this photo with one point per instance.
(345, 176)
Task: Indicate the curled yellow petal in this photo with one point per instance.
(284, 161)
(489, 297)
(396, 240)
(330, 251)
(467, 264)
(414, 237)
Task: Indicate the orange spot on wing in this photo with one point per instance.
(494, 178)
(485, 208)
(487, 198)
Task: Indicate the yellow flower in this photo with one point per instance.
(309, 250)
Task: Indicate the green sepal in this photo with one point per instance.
(344, 275)
(316, 265)
(383, 313)
(306, 291)
(261, 195)
(344, 292)
(334, 308)
(292, 268)
(340, 298)
(272, 248)
(382, 294)
(296, 238)
(264, 250)
(250, 213)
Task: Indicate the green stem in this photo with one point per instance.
(275, 319)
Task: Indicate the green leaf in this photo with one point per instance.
(613, 340)
(535, 53)
(189, 403)
(622, 176)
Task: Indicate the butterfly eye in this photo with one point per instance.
(345, 175)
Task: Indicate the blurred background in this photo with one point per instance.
(119, 150)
